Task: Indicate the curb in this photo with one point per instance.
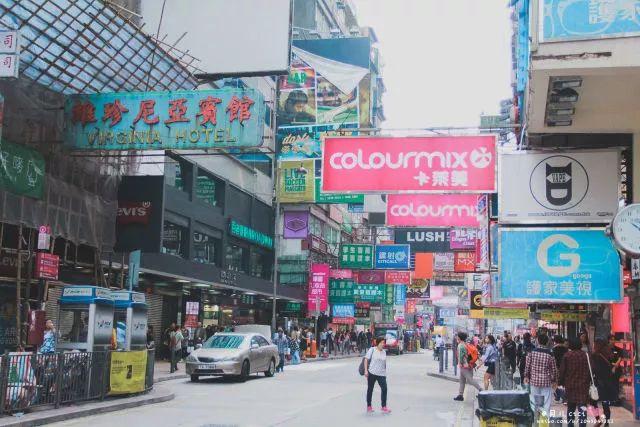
(443, 377)
(169, 378)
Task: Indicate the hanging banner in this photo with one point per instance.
(464, 262)
(395, 257)
(432, 210)
(423, 239)
(356, 256)
(318, 288)
(397, 277)
(296, 181)
(375, 277)
(462, 164)
(21, 170)
(463, 238)
(567, 187)
(341, 291)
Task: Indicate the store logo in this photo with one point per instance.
(296, 224)
(558, 270)
(559, 183)
(480, 158)
(437, 211)
(133, 212)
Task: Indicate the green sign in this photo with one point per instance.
(248, 233)
(330, 198)
(369, 293)
(356, 256)
(293, 307)
(247, 299)
(21, 170)
(341, 291)
(388, 296)
(491, 121)
(206, 189)
(387, 314)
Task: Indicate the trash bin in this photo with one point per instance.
(498, 408)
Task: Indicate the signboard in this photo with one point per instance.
(341, 291)
(635, 269)
(567, 187)
(493, 244)
(399, 295)
(9, 41)
(583, 20)
(475, 304)
(443, 261)
(370, 293)
(448, 278)
(370, 276)
(318, 288)
(419, 164)
(343, 310)
(21, 170)
(190, 119)
(128, 372)
(247, 233)
(395, 257)
(559, 265)
(423, 239)
(447, 312)
(9, 65)
(482, 247)
(432, 210)
(296, 224)
(463, 238)
(44, 237)
(133, 212)
(419, 288)
(464, 262)
(341, 273)
(47, 266)
(296, 181)
(560, 316)
(363, 310)
(293, 307)
(298, 143)
(333, 198)
(505, 313)
(411, 305)
(356, 256)
(397, 277)
(133, 276)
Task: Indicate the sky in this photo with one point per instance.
(446, 61)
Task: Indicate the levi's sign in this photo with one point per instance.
(432, 210)
(464, 164)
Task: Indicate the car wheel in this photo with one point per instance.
(272, 369)
(244, 373)
(195, 378)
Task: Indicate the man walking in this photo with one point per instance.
(282, 341)
(466, 369)
(541, 373)
(175, 347)
(439, 346)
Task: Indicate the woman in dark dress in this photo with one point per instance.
(574, 376)
(604, 377)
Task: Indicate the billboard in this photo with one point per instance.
(393, 257)
(566, 187)
(296, 181)
(189, 119)
(464, 262)
(432, 210)
(397, 277)
(296, 224)
(423, 239)
(463, 238)
(222, 33)
(341, 291)
(370, 276)
(318, 288)
(356, 256)
(343, 310)
(559, 265)
(458, 164)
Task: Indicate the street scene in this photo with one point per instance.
(319, 212)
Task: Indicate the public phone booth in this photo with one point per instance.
(130, 319)
(85, 318)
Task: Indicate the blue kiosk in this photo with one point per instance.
(130, 319)
(85, 318)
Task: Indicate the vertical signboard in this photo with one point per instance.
(318, 288)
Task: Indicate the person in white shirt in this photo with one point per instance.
(375, 369)
(439, 347)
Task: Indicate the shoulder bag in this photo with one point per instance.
(361, 367)
(593, 390)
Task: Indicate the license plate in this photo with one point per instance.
(207, 366)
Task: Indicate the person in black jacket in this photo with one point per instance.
(524, 348)
(509, 351)
(559, 350)
(604, 377)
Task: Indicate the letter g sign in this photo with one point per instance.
(558, 270)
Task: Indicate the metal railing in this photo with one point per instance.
(28, 380)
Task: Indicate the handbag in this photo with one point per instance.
(593, 390)
(361, 367)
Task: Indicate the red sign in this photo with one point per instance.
(341, 273)
(318, 288)
(397, 277)
(411, 305)
(344, 320)
(465, 164)
(370, 277)
(47, 266)
(464, 262)
(133, 212)
(432, 210)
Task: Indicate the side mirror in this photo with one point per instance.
(254, 346)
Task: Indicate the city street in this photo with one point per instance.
(327, 393)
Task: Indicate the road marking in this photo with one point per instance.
(315, 366)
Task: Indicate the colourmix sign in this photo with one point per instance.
(459, 164)
(432, 210)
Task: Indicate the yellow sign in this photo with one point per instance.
(476, 314)
(297, 181)
(128, 372)
(506, 313)
(557, 316)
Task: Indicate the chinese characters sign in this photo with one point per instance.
(165, 120)
(21, 170)
(399, 294)
(370, 293)
(9, 53)
(419, 164)
(395, 257)
(559, 265)
(343, 310)
(432, 210)
(340, 291)
(318, 288)
(397, 277)
(463, 238)
(46, 266)
(356, 256)
(249, 234)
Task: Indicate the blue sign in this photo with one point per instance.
(562, 264)
(399, 294)
(134, 269)
(343, 310)
(394, 257)
(191, 119)
(590, 19)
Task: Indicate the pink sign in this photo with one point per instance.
(463, 238)
(341, 273)
(464, 164)
(318, 288)
(432, 210)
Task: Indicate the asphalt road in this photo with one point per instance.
(326, 394)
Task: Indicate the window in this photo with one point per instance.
(176, 172)
(209, 189)
(260, 265)
(174, 239)
(234, 257)
(262, 341)
(206, 249)
(315, 226)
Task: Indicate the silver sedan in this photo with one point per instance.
(233, 354)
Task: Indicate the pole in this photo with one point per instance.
(276, 244)
(19, 288)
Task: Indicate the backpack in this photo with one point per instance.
(472, 354)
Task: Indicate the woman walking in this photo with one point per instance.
(294, 346)
(490, 357)
(375, 369)
(605, 379)
(574, 376)
(49, 342)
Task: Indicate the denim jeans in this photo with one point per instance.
(545, 393)
(280, 366)
(295, 357)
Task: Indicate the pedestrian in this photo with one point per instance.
(282, 342)
(166, 340)
(541, 373)
(558, 350)
(185, 342)
(466, 367)
(49, 342)
(175, 347)
(294, 346)
(490, 357)
(151, 342)
(509, 353)
(323, 342)
(605, 378)
(304, 335)
(375, 370)
(199, 336)
(524, 348)
(439, 347)
(574, 376)
(584, 342)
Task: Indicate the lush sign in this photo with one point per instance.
(21, 170)
(165, 120)
(356, 256)
(251, 235)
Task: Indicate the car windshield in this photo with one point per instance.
(224, 341)
(391, 335)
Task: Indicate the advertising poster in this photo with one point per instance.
(299, 143)
(296, 224)
(397, 277)
(341, 273)
(464, 262)
(343, 310)
(432, 210)
(463, 238)
(333, 105)
(297, 107)
(443, 261)
(318, 288)
(559, 265)
(128, 372)
(462, 164)
(298, 78)
(395, 257)
(297, 183)
(419, 288)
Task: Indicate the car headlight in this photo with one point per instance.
(192, 358)
(228, 359)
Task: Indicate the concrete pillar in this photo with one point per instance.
(636, 167)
